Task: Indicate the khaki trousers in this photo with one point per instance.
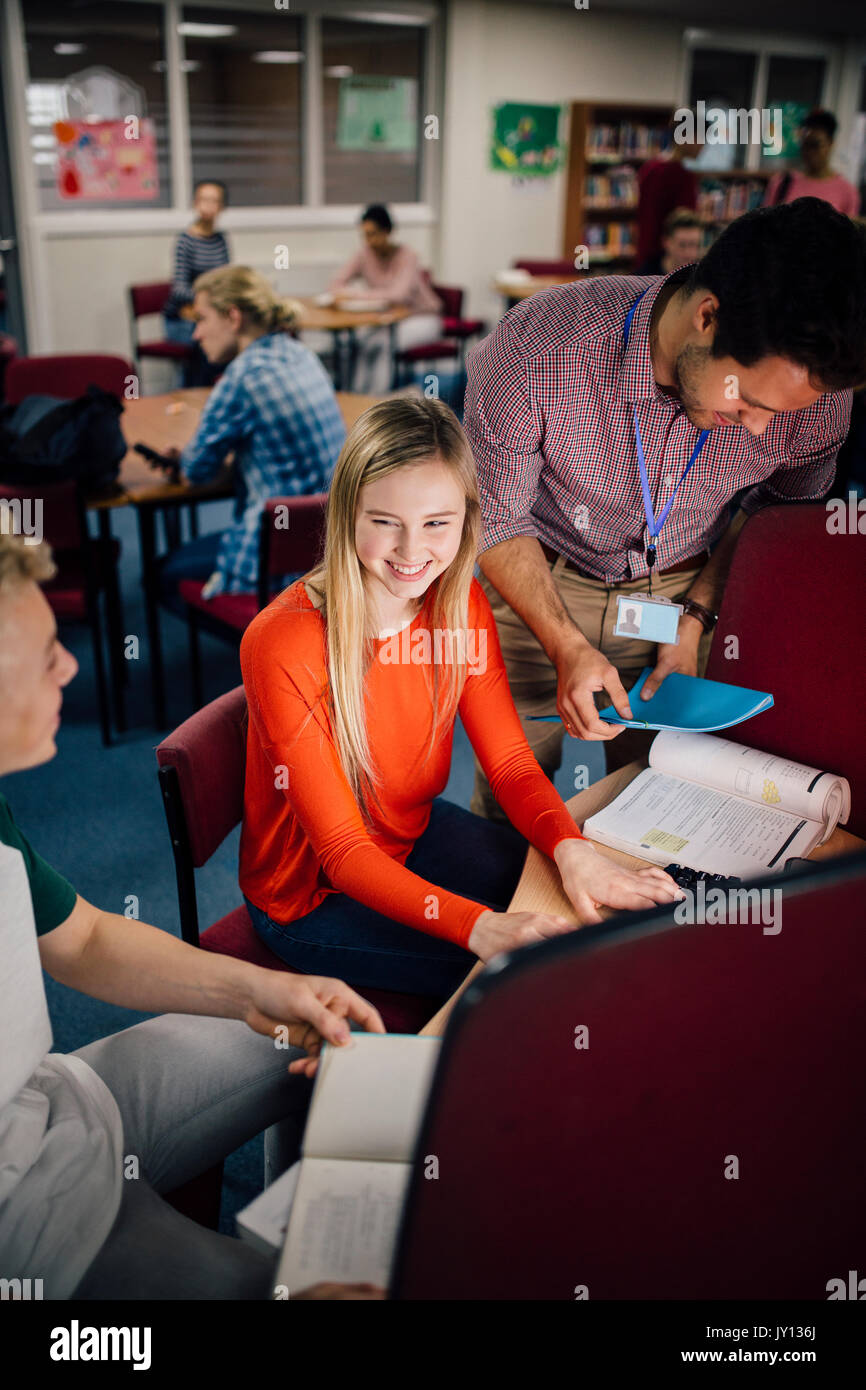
(532, 676)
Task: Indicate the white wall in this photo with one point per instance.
(505, 52)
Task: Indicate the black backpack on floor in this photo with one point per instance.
(49, 440)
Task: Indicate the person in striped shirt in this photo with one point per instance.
(198, 249)
(274, 407)
(759, 343)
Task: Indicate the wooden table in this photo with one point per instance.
(513, 291)
(164, 422)
(540, 886)
(342, 325)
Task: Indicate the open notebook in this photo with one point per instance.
(715, 805)
(340, 1205)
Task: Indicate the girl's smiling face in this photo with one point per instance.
(407, 532)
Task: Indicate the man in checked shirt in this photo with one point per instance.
(759, 343)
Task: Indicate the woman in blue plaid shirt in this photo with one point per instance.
(274, 408)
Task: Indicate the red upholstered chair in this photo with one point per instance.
(201, 775)
(146, 301)
(290, 543)
(456, 332)
(610, 1165)
(8, 350)
(86, 571)
(553, 267)
(795, 599)
(67, 375)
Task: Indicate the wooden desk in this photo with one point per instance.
(513, 291)
(342, 325)
(540, 887)
(164, 422)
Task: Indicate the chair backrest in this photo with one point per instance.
(452, 300)
(208, 753)
(560, 267)
(794, 600)
(67, 376)
(292, 538)
(701, 1139)
(148, 299)
(55, 508)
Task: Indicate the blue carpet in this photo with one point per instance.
(96, 814)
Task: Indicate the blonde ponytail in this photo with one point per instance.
(240, 287)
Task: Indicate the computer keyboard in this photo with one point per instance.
(690, 878)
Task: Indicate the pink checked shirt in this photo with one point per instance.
(549, 415)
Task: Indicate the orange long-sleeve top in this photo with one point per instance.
(303, 835)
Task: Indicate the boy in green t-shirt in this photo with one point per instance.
(177, 1093)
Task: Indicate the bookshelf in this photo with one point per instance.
(608, 143)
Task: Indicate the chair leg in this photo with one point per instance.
(114, 625)
(195, 676)
(99, 669)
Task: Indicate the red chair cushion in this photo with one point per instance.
(426, 352)
(462, 328)
(177, 351)
(235, 610)
(235, 935)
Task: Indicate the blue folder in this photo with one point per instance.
(687, 703)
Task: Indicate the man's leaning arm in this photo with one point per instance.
(518, 570)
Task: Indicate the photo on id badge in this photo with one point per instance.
(646, 617)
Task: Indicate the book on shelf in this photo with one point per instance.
(718, 806)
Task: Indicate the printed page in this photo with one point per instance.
(666, 820)
(369, 1098)
(762, 777)
(344, 1223)
(264, 1222)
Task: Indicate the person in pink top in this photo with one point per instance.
(815, 179)
(384, 272)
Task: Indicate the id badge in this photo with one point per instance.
(647, 618)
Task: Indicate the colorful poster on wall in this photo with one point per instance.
(106, 160)
(377, 113)
(526, 139)
(793, 113)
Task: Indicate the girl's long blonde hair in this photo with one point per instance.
(239, 287)
(397, 433)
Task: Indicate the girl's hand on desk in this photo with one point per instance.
(305, 1011)
(508, 931)
(590, 880)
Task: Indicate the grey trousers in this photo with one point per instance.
(190, 1091)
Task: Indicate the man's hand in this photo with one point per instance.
(311, 1008)
(581, 671)
(683, 657)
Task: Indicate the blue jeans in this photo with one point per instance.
(343, 938)
(193, 560)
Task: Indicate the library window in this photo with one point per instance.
(372, 97)
(88, 65)
(243, 73)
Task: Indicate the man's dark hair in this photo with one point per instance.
(817, 119)
(791, 282)
(379, 214)
(212, 183)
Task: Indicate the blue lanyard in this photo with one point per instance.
(655, 524)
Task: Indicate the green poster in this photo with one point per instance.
(792, 115)
(378, 113)
(526, 139)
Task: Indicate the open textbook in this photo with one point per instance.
(340, 1205)
(715, 805)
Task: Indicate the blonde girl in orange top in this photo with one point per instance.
(352, 862)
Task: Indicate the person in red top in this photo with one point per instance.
(350, 856)
(663, 184)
